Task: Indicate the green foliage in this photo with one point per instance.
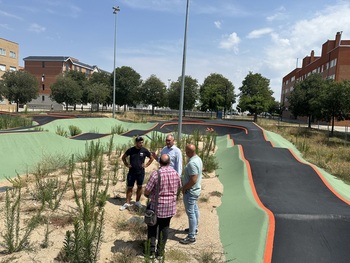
(97, 93)
(118, 129)
(19, 86)
(256, 94)
(217, 92)
(61, 132)
(191, 93)
(15, 238)
(334, 102)
(153, 92)
(13, 121)
(74, 130)
(84, 242)
(157, 141)
(66, 90)
(49, 191)
(304, 100)
(128, 82)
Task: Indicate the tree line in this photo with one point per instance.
(216, 93)
(321, 99)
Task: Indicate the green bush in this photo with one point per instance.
(74, 130)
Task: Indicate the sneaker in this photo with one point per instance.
(124, 206)
(188, 240)
(159, 256)
(138, 204)
(188, 230)
(151, 256)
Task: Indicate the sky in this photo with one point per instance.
(228, 37)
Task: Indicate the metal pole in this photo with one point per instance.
(115, 12)
(183, 75)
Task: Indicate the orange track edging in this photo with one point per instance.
(271, 217)
(321, 177)
(208, 124)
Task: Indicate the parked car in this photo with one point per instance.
(266, 115)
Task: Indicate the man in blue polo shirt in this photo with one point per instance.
(173, 152)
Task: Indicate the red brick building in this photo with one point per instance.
(46, 69)
(334, 63)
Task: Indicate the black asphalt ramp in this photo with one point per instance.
(312, 224)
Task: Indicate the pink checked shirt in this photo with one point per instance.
(170, 183)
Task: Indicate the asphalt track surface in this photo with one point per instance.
(308, 220)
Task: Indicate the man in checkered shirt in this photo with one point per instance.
(170, 183)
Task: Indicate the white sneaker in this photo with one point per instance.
(138, 204)
(124, 206)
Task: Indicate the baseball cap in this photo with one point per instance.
(138, 139)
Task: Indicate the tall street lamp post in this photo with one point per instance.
(115, 12)
(169, 83)
(183, 75)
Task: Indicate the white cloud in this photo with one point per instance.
(279, 15)
(230, 42)
(259, 32)
(292, 42)
(6, 14)
(36, 28)
(217, 24)
(5, 26)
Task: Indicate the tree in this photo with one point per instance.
(217, 92)
(153, 92)
(256, 95)
(127, 82)
(101, 78)
(304, 100)
(66, 90)
(19, 87)
(97, 93)
(81, 79)
(191, 93)
(335, 101)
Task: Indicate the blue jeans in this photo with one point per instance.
(190, 202)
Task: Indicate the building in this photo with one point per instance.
(334, 63)
(46, 69)
(8, 62)
(8, 56)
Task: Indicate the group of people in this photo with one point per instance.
(171, 182)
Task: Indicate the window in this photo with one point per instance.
(293, 78)
(43, 86)
(43, 78)
(333, 63)
(12, 54)
(2, 51)
(13, 68)
(42, 98)
(2, 67)
(43, 64)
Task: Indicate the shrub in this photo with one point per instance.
(74, 130)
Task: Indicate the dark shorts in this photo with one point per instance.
(132, 178)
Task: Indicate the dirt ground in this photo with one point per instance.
(118, 239)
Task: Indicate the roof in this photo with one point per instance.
(46, 58)
(59, 58)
